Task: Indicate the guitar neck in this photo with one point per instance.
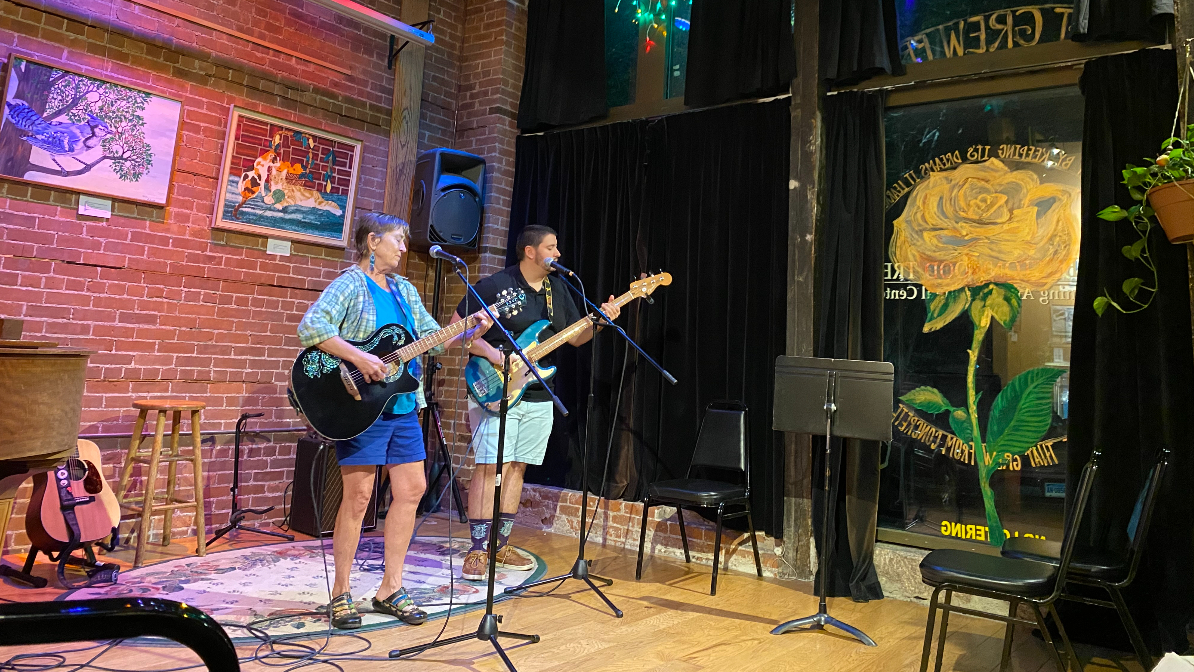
(412, 350)
(546, 347)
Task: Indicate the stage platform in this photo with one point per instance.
(671, 624)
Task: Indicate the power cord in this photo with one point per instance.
(282, 651)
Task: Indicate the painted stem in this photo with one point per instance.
(995, 532)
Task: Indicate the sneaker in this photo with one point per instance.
(400, 606)
(510, 558)
(476, 566)
(343, 613)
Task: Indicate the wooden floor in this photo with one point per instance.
(671, 623)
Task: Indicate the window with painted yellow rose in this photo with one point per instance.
(983, 204)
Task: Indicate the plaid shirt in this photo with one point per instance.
(345, 309)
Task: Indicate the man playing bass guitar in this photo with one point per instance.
(528, 423)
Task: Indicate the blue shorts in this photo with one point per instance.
(393, 439)
(528, 427)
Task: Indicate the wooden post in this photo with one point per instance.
(404, 117)
(1183, 21)
(804, 169)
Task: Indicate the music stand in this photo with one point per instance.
(831, 397)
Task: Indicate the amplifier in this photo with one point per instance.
(317, 475)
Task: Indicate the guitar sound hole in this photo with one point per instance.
(77, 468)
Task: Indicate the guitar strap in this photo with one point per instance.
(550, 308)
(402, 307)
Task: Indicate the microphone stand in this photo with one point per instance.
(487, 629)
(580, 568)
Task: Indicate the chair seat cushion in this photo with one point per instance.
(696, 491)
(988, 572)
(1096, 564)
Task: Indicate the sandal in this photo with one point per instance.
(343, 613)
(400, 606)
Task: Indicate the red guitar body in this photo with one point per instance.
(79, 478)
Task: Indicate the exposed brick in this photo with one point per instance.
(173, 308)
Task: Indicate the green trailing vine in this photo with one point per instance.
(1175, 164)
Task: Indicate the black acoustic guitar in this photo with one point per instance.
(332, 395)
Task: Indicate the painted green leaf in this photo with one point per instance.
(927, 399)
(1022, 412)
(1112, 213)
(1001, 300)
(959, 421)
(941, 309)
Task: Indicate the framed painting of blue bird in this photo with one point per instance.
(70, 130)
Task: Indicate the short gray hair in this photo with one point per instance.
(376, 222)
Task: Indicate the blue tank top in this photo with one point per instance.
(391, 309)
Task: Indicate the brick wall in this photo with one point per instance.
(173, 308)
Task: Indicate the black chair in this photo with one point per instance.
(1110, 570)
(119, 618)
(1015, 581)
(722, 444)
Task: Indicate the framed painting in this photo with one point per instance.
(285, 180)
(68, 130)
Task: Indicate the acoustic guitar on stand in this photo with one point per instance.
(72, 504)
(332, 395)
(484, 380)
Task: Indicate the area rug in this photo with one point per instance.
(279, 588)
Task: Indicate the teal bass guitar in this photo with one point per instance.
(484, 380)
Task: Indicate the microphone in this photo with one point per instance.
(438, 252)
(553, 265)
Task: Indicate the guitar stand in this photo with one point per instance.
(431, 421)
(432, 424)
(98, 573)
(236, 518)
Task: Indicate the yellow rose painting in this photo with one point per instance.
(975, 237)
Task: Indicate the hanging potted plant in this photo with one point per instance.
(1165, 191)
(1164, 188)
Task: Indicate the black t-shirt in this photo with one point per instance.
(563, 312)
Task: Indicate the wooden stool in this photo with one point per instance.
(151, 503)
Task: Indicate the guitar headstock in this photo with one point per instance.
(510, 302)
(644, 287)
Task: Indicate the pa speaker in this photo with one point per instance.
(319, 487)
(447, 200)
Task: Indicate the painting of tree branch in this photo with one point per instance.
(68, 130)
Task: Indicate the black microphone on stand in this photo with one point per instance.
(554, 265)
(438, 252)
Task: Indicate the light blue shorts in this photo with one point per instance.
(528, 426)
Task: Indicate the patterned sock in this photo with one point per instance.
(504, 530)
(479, 527)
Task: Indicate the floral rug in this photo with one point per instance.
(278, 587)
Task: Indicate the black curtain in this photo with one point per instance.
(563, 78)
(1121, 19)
(588, 185)
(1132, 376)
(859, 39)
(703, 196)
(739, 50)
(850, 325)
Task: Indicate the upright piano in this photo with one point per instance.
(41, 399)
